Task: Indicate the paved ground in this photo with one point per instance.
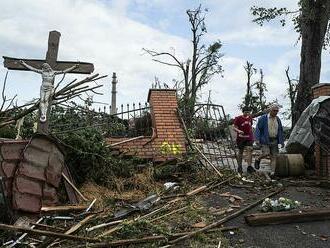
(312, 234)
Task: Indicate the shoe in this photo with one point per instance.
(250, 170)
(257, 164)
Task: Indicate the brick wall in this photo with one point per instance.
(321, 90)
(166, 128)
(322, 158)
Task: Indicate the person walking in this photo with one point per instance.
(244, 140)
(269, 134)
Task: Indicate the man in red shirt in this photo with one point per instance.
(243, 127)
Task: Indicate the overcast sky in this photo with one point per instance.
(111, 34)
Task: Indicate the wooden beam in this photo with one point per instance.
(273, 218)
(72, 194)
(13, 64)
(46, 233)
(63, 208)
(80, 224)
(53, 44)
(74, 187)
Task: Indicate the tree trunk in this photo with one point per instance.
(314, 22)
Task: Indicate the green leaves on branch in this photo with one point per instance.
(268, 14)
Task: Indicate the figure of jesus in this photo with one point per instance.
(47, 86)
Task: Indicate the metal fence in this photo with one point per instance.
(211, 133)
(131, 120)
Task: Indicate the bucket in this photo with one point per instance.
(289, 165)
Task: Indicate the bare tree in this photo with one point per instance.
(292, 94)
(250, 70)
(197, 70)
(261, 89)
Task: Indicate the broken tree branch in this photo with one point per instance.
(229, 217)
(46, 233)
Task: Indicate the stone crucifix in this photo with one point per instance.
(47, 86)
(48, 69)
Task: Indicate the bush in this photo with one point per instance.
(89, 159)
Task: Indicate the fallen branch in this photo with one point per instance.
(46, 233)
(127, 241)
(74, 228)
(23, 235)
(104, 225)
(54, 228)
(229, 217)
(167, 205)
(125, 141)
(273, 218)
(148, 239)
(170, 213)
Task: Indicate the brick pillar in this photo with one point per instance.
(322, 158)
(167, 125)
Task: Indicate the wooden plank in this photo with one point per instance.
(13, 64)
(53, 44)
(74, 187)
(80, 224)
(45, 233)
(72, 195)
(64, 208)
(273, 218)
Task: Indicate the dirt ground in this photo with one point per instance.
(172, 215)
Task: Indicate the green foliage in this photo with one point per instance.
(89, 159)
(27, 129)
(264, 14)
(8, 132)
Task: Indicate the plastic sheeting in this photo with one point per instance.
(321, 126)
(302, 131)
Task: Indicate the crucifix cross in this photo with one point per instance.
(48, 68)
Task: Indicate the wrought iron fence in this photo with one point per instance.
(211, 133)
(132, 120)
